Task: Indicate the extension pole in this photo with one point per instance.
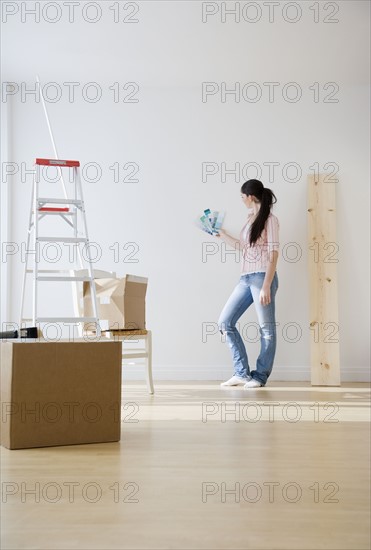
(51, 136)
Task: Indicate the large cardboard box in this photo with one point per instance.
(60, 393)
(121, 302)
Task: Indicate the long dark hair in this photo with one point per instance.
(267, 198)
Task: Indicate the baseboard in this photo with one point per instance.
(203, 372)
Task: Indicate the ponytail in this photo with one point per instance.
(267, 198)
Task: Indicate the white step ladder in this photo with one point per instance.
(72, 211)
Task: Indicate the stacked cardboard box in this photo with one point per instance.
(60, 393)
(121, 302)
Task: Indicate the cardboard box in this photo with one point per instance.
(60, 393)
(121, 302)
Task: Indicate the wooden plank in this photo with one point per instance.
(323, 258)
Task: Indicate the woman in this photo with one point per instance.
(259, 244)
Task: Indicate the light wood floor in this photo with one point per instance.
(185, 449)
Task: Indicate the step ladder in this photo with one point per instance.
(71, 210)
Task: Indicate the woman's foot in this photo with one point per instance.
(252, 384)
(235, 381)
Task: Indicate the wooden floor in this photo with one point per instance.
(288, 469)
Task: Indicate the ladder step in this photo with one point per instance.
(44, 200)
(51, 209)
(56, 162)
(56, 212)
(63, 239)
(59, 279)
(66, 319)
(53, 270)
(97, 273)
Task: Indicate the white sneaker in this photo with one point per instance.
(252, 384)
(235, 381)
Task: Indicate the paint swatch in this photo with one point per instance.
(211, 221)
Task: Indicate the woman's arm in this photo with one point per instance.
(265, 293)
(229, 239)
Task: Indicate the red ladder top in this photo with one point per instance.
(55, 162)
(53, 209)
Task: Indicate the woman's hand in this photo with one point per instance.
(235, 243)
(265, 295)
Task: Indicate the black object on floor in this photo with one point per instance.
(9, 334)
(30, 332)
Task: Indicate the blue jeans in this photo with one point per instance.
(245, 293)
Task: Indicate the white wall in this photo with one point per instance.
(170, 132)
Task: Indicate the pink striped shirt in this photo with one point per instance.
(256, 258)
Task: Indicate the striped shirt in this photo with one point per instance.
(255, 258)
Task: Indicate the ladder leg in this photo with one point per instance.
(90, 267)
(77, 261)
(35, 243)
(30, 222)
(51, 135)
